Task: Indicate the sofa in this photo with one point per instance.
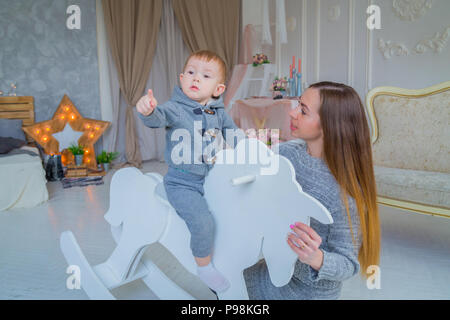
(411, 147)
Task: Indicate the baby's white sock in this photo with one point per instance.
(213, 278)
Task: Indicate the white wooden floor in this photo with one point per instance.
(415, 259)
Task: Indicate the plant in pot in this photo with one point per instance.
(78, 152)
(105, 158)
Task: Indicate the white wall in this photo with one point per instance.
(344, 50)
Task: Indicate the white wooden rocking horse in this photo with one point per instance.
(252, 212)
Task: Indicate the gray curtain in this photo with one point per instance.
(168, 63)
(132, 27)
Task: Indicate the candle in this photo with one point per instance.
(299, 65)
(293, 62)
(290, 71)
(299, 85)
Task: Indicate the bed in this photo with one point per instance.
(22, 176)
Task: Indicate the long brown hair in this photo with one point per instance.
(348, 154)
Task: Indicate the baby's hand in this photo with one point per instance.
(146, 104)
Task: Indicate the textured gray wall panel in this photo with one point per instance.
(45, 58)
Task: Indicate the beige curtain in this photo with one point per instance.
(168, 63)
(212, 25)
(132, 27)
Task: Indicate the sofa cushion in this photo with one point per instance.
(413, 132)
(425, 187)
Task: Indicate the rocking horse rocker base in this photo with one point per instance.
(239, 198)
(99, 280)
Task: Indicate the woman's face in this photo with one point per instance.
(305, 119)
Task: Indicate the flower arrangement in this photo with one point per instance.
(268, 136)
(279, 84)
(259, 59)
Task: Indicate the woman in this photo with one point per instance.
(334, 165)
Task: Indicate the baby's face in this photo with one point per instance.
(201, 80)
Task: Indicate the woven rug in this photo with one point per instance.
(81, 182)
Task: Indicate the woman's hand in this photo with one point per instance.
(146, 104)
(305, 242)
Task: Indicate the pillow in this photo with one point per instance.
(8, 144)
(12, 128)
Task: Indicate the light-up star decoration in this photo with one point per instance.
(54, 135)
(67, 137)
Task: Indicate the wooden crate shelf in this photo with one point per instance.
(74, 171)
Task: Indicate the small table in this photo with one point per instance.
(264, 113)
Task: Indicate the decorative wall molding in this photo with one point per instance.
(334, 13)
(317, 40)
(291, 24)
(369, 55)
(304, 42)
(411, 10)
(436, 43)
(351, 42)
(390, 48)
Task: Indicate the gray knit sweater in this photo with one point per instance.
(340, 254)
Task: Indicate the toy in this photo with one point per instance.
(253, 203)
